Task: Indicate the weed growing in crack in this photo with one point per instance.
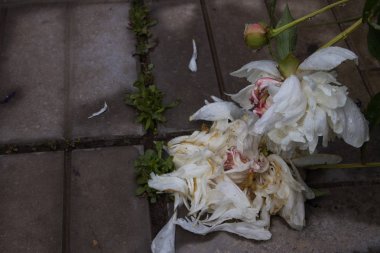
(152, 161)
(148, 101)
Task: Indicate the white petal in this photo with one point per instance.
(288, 107)
(233, 193)
(164, 240)
(356, 130)
(190, 171)
(327, 59)
(167, 183)
(243, 96)
(193, 60)
(294, 210)
(243, 229)
(218, 111)
(269, 67)
(104, 108)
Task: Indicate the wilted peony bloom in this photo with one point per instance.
(226, 184)
(296, 111)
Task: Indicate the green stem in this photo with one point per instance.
(346, 166)
(277, 31)
(344, 34)
(350, 20)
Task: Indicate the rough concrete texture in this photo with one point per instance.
(374, 80)
(228, 19)
(102, 70)
(179, 23)
(106, 215)
(349, 154)
(65, 58)
(345, 221)
(358, 39)
(32, 66)
(31, 198)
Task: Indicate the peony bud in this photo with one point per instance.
(255, 35)
(288, 66)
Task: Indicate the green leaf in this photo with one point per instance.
(271, 7)
(371, 9)
(373, 39)
(373, 111)
(286, 41)
(140, 190)
(320, 192)
(141, 180)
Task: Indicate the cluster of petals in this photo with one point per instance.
(294, 112)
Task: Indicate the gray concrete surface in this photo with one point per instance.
(65, 58)
(106, 215)
(31, 197)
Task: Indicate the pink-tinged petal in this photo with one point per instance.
(288, 107)
(327, 58)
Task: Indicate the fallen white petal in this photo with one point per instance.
(244, 229)
(327, 59)
(193, 60)
(165, 239)
(105, 107)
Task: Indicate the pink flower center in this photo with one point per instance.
(260, 95)
(232, 155)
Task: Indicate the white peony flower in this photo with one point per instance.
(295, 112)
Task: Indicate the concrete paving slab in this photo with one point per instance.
(348, 220)
(358, 39)
(31, 202)
(32, 66)
(374, 80)
(106, 215)
(179, 23)
(102, 70)
(349, 155)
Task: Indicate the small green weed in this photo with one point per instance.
(148, 101)
(151, 161)
(139, 23)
